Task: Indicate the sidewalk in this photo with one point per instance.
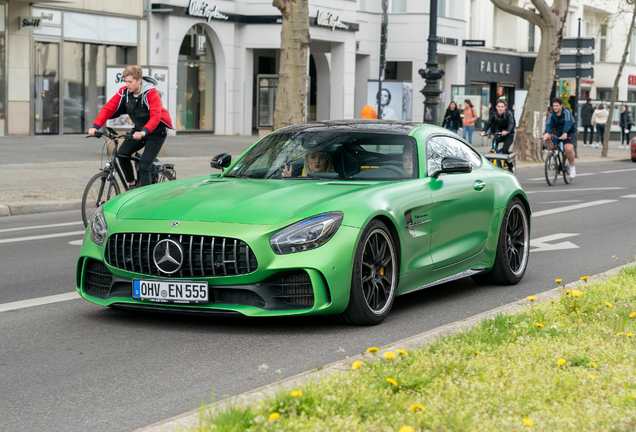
(48, 173)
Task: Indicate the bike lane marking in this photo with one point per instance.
(40, 226)
(572, 207)
(41, 237)
(39, 301)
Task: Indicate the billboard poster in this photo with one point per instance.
(396, 99)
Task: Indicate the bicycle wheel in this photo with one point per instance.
(551, 168)
(566, 169)
(97, 192)
(164, 175)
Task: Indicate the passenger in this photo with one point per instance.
(407, 160)
(316, 161)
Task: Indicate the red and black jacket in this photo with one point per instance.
(145, 112)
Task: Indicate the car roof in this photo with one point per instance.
(366, 126)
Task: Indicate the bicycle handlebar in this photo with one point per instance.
(127, 135)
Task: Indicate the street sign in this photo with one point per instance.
(571, 59)
(473, 43)
(585, 73)
(571, 42)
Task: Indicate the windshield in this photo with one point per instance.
(323, 155)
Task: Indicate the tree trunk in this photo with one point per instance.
(608, 127)
(550, 20)
(292, 74)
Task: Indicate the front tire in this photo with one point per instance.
(551, 168)
(97, 192)
(374, 278)
(513, 248)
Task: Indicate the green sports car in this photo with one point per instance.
(331, 218)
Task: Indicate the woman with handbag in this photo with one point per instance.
(468, 122)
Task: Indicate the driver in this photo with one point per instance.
(316, 161)
(407, 160)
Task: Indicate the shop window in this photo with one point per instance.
(196, 73)
(631, 96)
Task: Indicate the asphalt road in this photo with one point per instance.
(74, 366)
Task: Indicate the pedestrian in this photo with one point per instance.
(452, 118)
(468, 122)
(599, 119)
(626, 123)
(139, 99)
(586, 120)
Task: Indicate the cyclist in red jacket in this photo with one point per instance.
(140, 100)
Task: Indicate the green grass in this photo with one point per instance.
(488, 378)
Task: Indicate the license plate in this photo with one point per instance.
(166, 291)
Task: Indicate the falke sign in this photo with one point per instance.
(494, 67)
(30, 23)
(202, 9)
(326, 19)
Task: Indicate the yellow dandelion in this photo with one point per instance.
(528, 422)
(553, 301)
(592, 376)
(373, 350)
(592, 364)
(389, 355)
(608, 304)
(296, 393)
(417, 407)
(356, 364)
(568, 291)
(628, 335)
(532, 298)
(632, 315)
(538, 324)
(392, 381)
(274, 416)
(406, 429)
(619, 333)
(400, 351)
(561, 361)
(585, 278)
(558, 281)
(576, 293)
(476, 352)
(632, 396)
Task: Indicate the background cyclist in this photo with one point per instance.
(501, 120)
(139, 99)
(561, 121)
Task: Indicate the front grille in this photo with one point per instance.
(97, 279)
(294, 289)
(204, 256)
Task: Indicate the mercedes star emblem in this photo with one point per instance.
(168, 256)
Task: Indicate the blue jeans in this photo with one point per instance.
(468, 130)
(452, 130)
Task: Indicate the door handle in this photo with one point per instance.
(479, 185)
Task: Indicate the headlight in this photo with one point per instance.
(307, 234)
(98, 227)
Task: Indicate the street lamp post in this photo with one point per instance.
(432, 74)
(383, 39)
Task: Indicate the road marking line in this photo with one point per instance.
(575, 190)
(542, 244)
(41, 226)
(618, 171)
(47, 236)
(584, 174)
(572, 207)
(628, 196)
(76, 242)
(558, 202)
(39, 301)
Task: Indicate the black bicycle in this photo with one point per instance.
(104, 185)
(556, 162)
(498, 159)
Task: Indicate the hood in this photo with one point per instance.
(247, 201)
(148, 83)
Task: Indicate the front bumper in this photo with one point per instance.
(305, 283)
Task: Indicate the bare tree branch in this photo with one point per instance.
(526, 14)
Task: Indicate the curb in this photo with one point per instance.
(31, 207)
(192, 418)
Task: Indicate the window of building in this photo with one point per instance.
(604, 94)
(441, 8)
(603, 43)
(632, 48)
(397, 6)
(473, 19)
(631, 96)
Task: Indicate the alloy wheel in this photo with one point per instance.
(517, 241)
(378, 278)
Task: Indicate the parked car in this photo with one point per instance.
(332, 218)
(632, 147)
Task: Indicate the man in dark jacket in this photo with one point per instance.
(139, 99)
(501, 120)
(586, 120)
(626, 123)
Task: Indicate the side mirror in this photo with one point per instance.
(221, 161)
(453, 164)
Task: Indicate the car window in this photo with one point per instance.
(323, 155)
(438, 147)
